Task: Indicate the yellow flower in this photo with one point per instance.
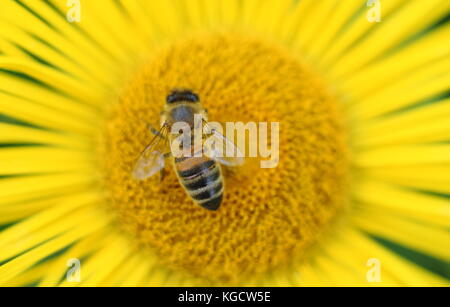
(361, 192)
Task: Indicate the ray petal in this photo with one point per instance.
(23, 262)
(31, 90)
(294, 21)
(423, 124)
(402, 155)
(43, 116)
(45, 225)
(315, 19)
(79, 47)
(355, 26)
(75, 88)
(80, 250)
(425, 177)
(141, 23)
(405, 202)
(194, 13)
(396, 266)
(25, 160)
(413, 17)
(31, 276)
(342, 14)
(131, 272)
(14, 212)
(271, 16)
(229, 10)
(428, 82)
(10, 133)
(22, 44)
(424, 238)
(122, 26)
(344, 253)
(429, 48)
(103, 262)
(96, 24)
(15, 189)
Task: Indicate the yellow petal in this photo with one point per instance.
(344, 253)
(22, 188)
(194, 12)
(403, 155)
(83, 91)
(12, 212)
(410, 204)
(10, 133)
(396, 266)
(79, 47)
(427, 177)
(142, 24)
(427, 82)
(309, 276)
(341, 14)
(355, 26)
(31, 160)
(229, 10)
(421, 237)
(420, 125)
(31, 276)
(314, 21)
(40, 115)
(27, 90)
(45, 225)
(429, 48)
(271, 16)
(294, 21)
(131, 272)
(337, 274)
(410, 19)
(80, 250)
(95, 22)
(26, 44)
(103, 262)
(25, 261)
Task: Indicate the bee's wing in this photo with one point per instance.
(151, 159)
(221, 149)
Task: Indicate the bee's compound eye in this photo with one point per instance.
(182, 95)
(193, 97)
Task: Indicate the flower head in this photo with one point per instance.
(360, 193)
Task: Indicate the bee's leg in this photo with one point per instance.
(206, 115)
(154, 131)
(163, 171)
(162, 174)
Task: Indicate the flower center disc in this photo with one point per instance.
(268, 217)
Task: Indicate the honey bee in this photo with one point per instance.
(200, 175)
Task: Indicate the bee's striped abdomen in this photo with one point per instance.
(202, 179)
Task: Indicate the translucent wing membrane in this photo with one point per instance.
(151, 159)
(221, 149)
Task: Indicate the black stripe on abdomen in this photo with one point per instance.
(204, 184)
(196, 170)
(204, 180)
(208, 192)
(213, 203)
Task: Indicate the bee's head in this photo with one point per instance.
(182, 96)
(181, 105)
